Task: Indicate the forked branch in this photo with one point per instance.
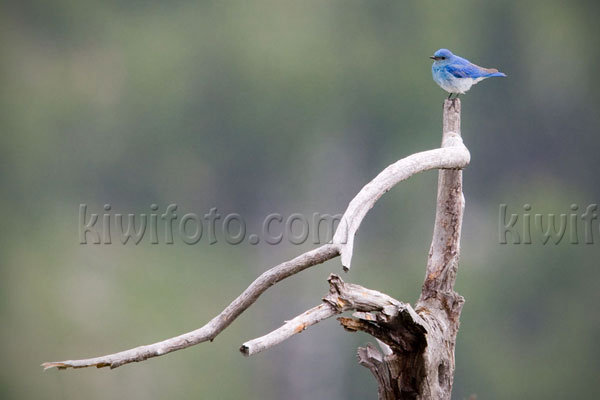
(425, 370)
(371, 304)
(453, 155)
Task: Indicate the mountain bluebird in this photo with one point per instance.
(454, 74)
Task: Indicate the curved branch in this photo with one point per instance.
(422, 363)
(217, 324)
(453, 155)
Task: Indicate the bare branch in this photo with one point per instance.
(453, 155)
(217, 324)
(442, 263)
(342, 296)
(289, 329)
(421, 365)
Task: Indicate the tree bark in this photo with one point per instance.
(421, 363)
(452, 155)
(416, 360)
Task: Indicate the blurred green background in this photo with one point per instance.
(281, 106)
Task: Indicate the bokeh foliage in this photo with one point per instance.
(281, 106)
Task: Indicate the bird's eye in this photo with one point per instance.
(443, 58)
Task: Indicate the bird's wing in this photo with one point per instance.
(486, 70)
(458, 71)
(469, 70)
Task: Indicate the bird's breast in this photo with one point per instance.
(452, 84)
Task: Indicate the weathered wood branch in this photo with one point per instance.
(425, 371)
(453, 155)
(209, 331)
(341, 297)
(402, 332)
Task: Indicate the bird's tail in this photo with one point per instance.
(496, 74)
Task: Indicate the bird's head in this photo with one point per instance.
(442, 55)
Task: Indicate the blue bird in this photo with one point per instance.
(456, 75)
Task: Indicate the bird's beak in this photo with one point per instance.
(432, 57)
